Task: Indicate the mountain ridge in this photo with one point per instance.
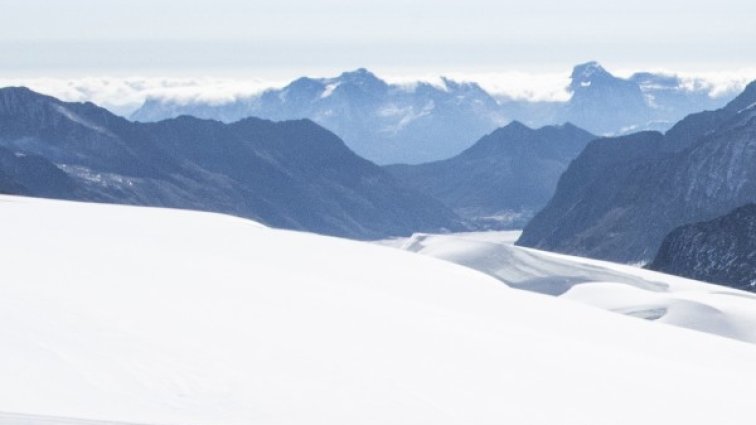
(502, 179)
(292, 174)
(621, 196)
(722, 250)
(424, 122)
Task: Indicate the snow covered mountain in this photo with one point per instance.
(722, 250)
(422, 122)
(604, 103)
(291, 174)
(381, 122)
(622, 196)
(161, 316)
(504, 178)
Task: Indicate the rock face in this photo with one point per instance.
(722, 250)
(622, 196)
(293, 175)
(504, 178)
(419, 123)
(605, 103)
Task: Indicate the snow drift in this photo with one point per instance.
(619, 288)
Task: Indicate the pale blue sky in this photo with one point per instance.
(269, 38)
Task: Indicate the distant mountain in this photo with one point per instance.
(608, 105)
(504, 178)
(622, 196)
(422, 122)
(293, 174)
(382, 122)
(722, 250)
(605, 103)
(670, 98)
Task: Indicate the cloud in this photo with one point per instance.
(123, 95)
(715, 83)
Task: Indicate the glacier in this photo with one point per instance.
(160, 316)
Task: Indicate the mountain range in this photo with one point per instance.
(504, 178)
(381, 122)
(621, 196)
(722, 250)
(423, 122)
(292, 174)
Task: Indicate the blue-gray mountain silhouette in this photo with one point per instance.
(504, 178)
(721, 251)
(622, 196)
(384, 123)
(292, 174)
(411, 124)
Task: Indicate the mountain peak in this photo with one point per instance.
(305, 84)
(360, 72)
(515, 124)
(20, 93)
(585, 74)
(22, 100)
(588, 70)
(16, 89)
(569, 126)
(515, 129)
(359, 76)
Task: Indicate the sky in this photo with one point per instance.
(268, 42)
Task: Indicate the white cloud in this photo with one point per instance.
(123, 95)
(716, 83)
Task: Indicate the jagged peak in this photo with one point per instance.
(588, 70)
(585, 74)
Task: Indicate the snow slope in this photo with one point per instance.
(615, 287)
(174, 317)
(25, 419)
